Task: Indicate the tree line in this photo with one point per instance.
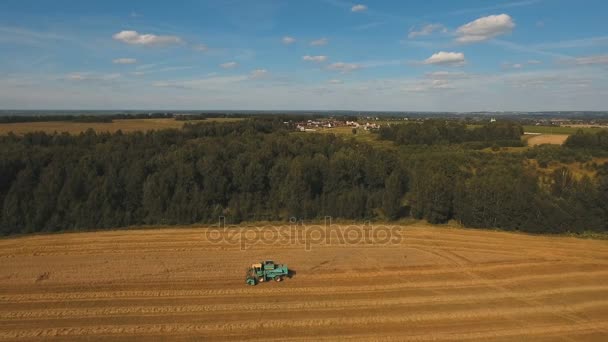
(259, 169)
(590, 140)
(437, 131)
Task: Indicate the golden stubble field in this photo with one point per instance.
(553, 139)
(126, 125)
(431, 284)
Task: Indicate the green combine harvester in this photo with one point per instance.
(266, 271)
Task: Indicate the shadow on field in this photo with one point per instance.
(291, 273)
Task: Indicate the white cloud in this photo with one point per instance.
(446, 75)
(553, 88)
(152, 69)
(335, 81)
(90, 76)
(208, 83)
(508, 65)
(590, 60)
(576, 43)
(429, 85)
(530, 49)
(147, 66)
(319, 42)
(380, 63)
(446, 58)
(441, 84)
(485, 28)
(173, 68)
(75, 76)
(426, 30)
(229, 65)
(359, 8)
(135, 38)
(258, 73)
(165, 84)
(288, 40)
(520, 65)
(547, 81)
(201, 47)
(344, 67)
(495, 7)
(124, 61)
(41, 39)
(317, 59)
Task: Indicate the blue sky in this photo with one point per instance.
(475, 55)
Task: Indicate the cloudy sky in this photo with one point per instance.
(470, 55)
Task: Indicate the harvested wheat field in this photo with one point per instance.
(430, 284)
(553, 139)
(125, 125)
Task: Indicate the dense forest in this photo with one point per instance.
(431, 132)
(580, 139)
(260, 169)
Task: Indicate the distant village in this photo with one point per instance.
(371, 123)
(572, 122)
(313, 125)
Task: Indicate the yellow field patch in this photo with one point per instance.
(434, 283)
(126, 125)
(554, 139)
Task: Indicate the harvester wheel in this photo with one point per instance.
(278, 278)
